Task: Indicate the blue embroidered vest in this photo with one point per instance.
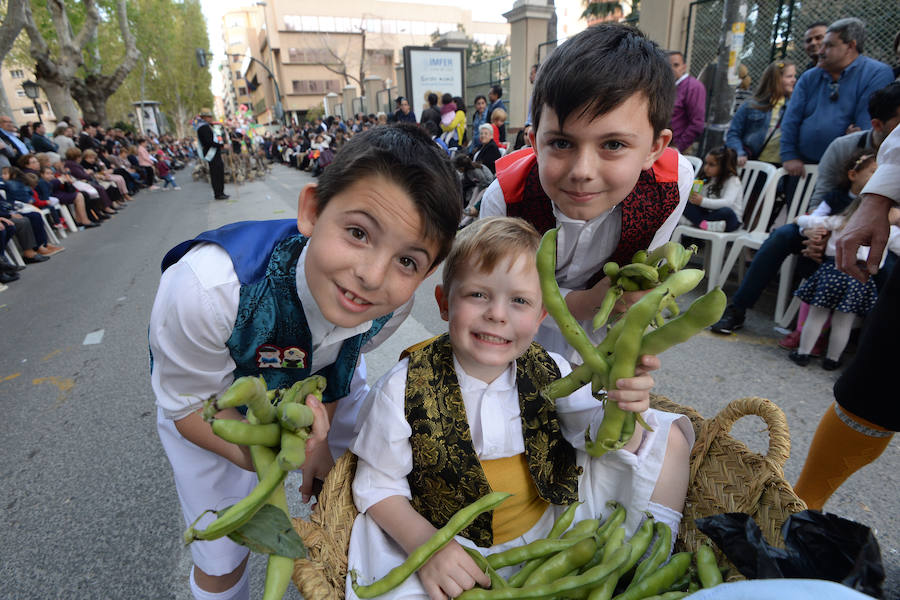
(271, 335)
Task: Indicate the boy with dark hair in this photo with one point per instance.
(495, 101)
(234, 300)
(599, 168)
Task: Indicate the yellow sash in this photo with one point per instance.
(520, 512)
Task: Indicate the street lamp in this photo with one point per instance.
(32, 90)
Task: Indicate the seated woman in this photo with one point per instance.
(112, 183)
(488, 153)
(87, 182)
(29, 226)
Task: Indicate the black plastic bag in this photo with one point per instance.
(817, 546)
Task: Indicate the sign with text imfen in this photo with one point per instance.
(438, 70)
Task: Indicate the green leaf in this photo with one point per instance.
(270, 532)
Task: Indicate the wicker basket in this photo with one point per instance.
(725, 477)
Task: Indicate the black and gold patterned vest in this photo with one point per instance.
(446, 473)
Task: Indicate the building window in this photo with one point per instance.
(242, 91)
(236, 58)
(237, 74)
(314, 56)
(20, 93)
(28, 110)
(17, 73)
(379, 58)
(316, 86)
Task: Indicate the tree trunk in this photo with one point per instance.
(9, 31)
(60, 100)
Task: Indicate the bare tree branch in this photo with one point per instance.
(132, 54)
(89, 28)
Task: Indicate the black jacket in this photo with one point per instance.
(207, 138)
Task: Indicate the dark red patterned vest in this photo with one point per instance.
(644, 210)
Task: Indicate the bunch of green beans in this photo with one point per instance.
(277, 426)
(662, 275)
(587, 560)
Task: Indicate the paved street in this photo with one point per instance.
(90, 509)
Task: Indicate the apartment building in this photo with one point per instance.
(23, 108)
(314, 49)
(240, 28)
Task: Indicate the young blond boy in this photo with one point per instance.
(260, 298)
(600, 170)
(462, 416)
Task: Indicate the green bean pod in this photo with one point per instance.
(536, 550)
(686, 255)
(294, 416)
(582, 529)
(627, 284)
(459, 521)
(640, 271)
(683, 281)
(640, 541)
(606, 588)
(615, 519)
(640, 256)
(627, 352)
(658, 553)
(609, 301)
(561, 563)
(555, 304)
(703, 312)
(559, 588)
(241, 512)
(539, 548)
(314, 384)
(671, 252)
(707, 567)
(279, 569)
(293, 450)
(660, 579)
(247, 434)
(497, 582)
(611, 270)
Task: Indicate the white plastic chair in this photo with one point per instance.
(796, 205)
(12, 252)
(48, 227)
(70, 222)
(717, 242)
(696, 162)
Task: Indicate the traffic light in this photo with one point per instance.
(201, 57)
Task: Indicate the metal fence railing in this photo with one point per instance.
(775, 30)
(480, 77)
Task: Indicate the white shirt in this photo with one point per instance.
(193, 317)
(682, 78)
(886, 179)
(730, 196)
(582, 247)
(492, 410)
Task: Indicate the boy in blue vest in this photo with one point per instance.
(600, 169)
(262, 298)
(462, 416)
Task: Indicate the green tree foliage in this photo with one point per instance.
(167, 33)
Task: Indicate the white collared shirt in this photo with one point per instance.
(193, 317)
(682, 78)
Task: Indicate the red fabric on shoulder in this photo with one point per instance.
(666, 166)
(512, 171)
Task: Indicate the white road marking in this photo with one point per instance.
(94, 337)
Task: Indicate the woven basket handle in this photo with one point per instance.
(768, 411)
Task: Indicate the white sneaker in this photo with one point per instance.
(3, 287)
(177, 187)
(715, 226)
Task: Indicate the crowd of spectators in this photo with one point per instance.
(88, 178)
(832, 112)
